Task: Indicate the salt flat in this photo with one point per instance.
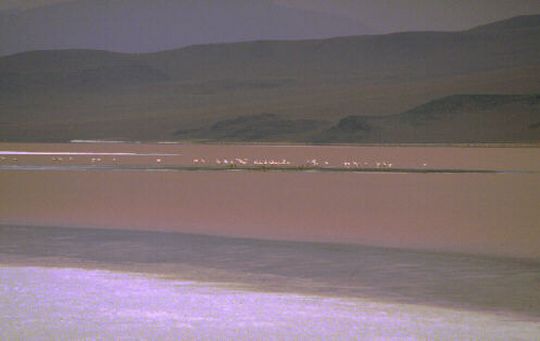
(52, 303)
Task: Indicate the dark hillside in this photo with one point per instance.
(453, 119)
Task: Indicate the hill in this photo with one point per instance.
(453, 119)
(93, 94)
(392, 57)
(261, 127)
(144, 26)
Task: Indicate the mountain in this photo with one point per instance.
(391, 57)
(143, 26)
(309, 84)
(452, 119)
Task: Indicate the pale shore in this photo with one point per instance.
(457, 281)
(125, 306)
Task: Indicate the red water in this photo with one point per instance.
(496, 214)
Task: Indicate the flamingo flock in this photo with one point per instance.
(310, 163)
(243, 162)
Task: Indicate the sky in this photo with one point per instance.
(390, 15)
(26, 4)
(412, 15)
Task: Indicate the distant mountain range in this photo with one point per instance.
(392, 57)
(144, 26)
(452, 119)
(345, 89)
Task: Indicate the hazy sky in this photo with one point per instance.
(404, 15)
(24, 4)
(391, 15)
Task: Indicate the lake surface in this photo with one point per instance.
(474, 200)
(376, 242)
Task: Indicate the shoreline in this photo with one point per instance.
(134, 168)
(260, 288)
(154, 306)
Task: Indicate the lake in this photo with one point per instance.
(308, 241)
(473, 200)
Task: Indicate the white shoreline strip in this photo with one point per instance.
(100, 141)
(10, 152)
